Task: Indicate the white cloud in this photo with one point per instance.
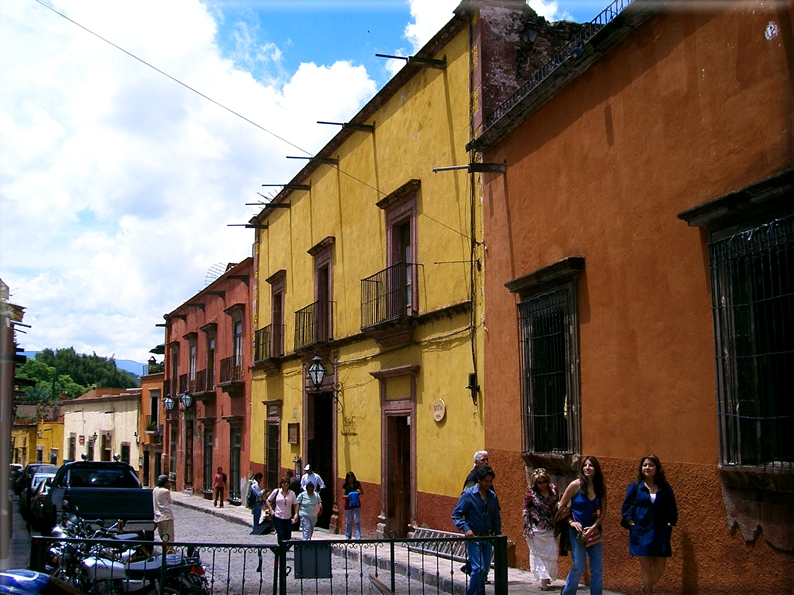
(116, 183)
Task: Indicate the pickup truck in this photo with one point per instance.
(99, 490)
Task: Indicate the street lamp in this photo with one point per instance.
(169, 403)
(186, 399)
(316, 372)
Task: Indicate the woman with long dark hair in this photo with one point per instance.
(352, 496)
(587, 497)
(649, 511)
(283, 506)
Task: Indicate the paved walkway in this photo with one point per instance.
(520, 582)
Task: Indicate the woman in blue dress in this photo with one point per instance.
(587, 497)
(649, 511)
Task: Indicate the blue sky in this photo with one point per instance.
(117, 184)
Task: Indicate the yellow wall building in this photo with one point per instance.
(374, 272)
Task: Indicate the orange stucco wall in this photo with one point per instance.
(690, 106)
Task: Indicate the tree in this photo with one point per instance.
(48, 387)
(87, 370)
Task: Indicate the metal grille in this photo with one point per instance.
(269, 342)
(389, 294)
(544, 323)
(752, 275)
(207, 483)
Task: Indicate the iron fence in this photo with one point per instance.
(574, 47)
(404, 566)
(269, 342)
(232, 369)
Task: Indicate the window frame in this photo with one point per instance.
(560, 278)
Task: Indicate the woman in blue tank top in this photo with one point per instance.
(587, 497)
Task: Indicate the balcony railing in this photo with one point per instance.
(314, 324)
(150, 369)
(182, 384)
(232, 369)
(390, 294)
(269, 342)
(204, 382)
(572, 48)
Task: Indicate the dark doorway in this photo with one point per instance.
(145, 478)
(399, 477)
(320, 450)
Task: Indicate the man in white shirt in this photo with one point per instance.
(311, 476)
(163, 515)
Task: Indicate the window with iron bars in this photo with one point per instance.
(547, 326)
(752, 278)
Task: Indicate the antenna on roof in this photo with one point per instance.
(214, 272)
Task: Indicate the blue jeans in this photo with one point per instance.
(353, 515)
(578, 553)
(257, 510)
(307, 526)
(479, 553)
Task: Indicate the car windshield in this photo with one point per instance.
(105, 477)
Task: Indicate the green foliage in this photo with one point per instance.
(76, 374)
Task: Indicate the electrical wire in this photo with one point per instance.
(197, 92)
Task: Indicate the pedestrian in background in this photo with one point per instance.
(283, 506)
(220, 487)
(477, 514)
(540, 504)
(310, 505)
(294, 482)
(311, 476)
(352, 498)
(587, 497)
(480, 461)
(163, 514)
(256, 492)
(649, 512)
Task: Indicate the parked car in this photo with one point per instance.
(95, 490)
(30, 470)
(13, 475)
(26, 495)
(36, 514)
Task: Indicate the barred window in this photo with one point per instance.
(548, 327)
(752, 276)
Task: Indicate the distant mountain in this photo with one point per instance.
(128, 365)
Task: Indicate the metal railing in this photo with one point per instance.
(389, 294)
(269, 342)
(149, 369)
(183, 388)
(404, 566)
(314, 324)
(572, 48)
(232, 369)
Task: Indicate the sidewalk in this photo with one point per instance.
(520, 582)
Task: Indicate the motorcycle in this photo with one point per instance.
(99, 561)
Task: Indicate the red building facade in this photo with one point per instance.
(641, 240)
(207, 385)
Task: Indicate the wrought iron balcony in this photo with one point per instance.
(314, 324)
(154, 369)
(231, 380)
(182, 384)
(390, 304)
(204, 386)
(269, 348)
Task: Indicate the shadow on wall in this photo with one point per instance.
(689, 572)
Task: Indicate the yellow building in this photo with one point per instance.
(49, 442)
(23, 442)
(374, 272)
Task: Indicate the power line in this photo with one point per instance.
(197, 92)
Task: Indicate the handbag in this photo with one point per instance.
(592, 540)
(561, 528)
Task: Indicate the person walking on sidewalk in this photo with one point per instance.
(352, 497)
(311, 476)
(480, 461)
(256, 498)
(163, 514)
(587, 497)
(649, 512)
(220, 486)
(283, 506)
(477, 514)
(540, 503)
(309, 506)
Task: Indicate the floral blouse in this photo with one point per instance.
(539, 511)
